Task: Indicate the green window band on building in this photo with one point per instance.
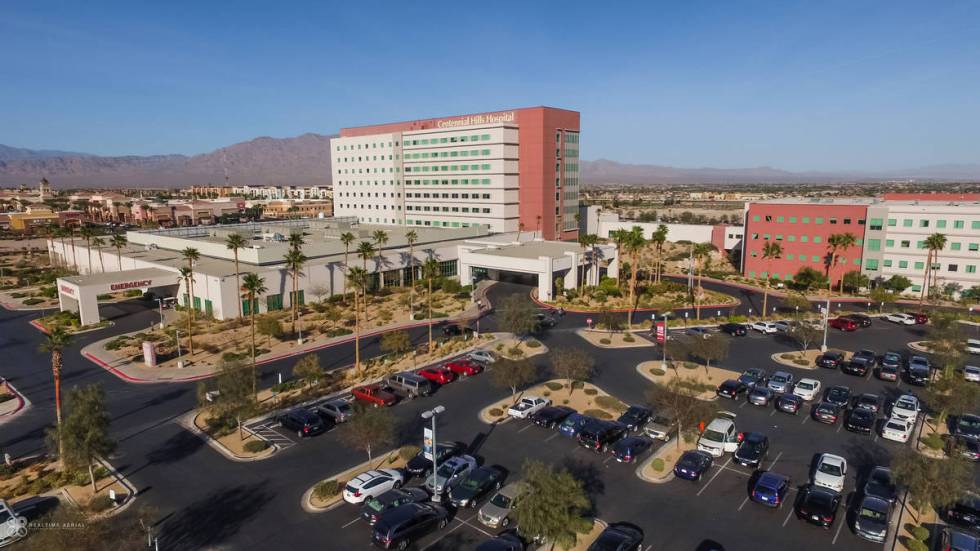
(874, 244)
(957, 224)
(903, 263)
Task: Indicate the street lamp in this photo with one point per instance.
(160, 303)
(826, 321)
(663, 364)
(180, 362)
(431, 414)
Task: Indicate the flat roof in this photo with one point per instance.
(108, 278)
(534, 250)
(867, 201)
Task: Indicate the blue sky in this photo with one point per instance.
(801, 86)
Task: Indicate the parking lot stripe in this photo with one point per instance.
(840, 426)
(805, 417)
(744, 501)
(773, 464)
(789, 514)
(351, 522)
(773, 412)
(529, 425)
(706, 484)
(839, 526)
(548, 439)
(743, 405)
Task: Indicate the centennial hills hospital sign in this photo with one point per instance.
(489, 118)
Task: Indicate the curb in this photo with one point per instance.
(131, 491)
(918, 347)
(305, 501)
(640, 341)
(662, 480)
(187, 421)
(789, 363)
(23, 403)
(641, 373)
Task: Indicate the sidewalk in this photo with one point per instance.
(205, 364)
(10, 408)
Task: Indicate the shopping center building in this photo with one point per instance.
(504, 171)
(890, 234)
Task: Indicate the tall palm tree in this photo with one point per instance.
(934, 243)
(98, 243)
(88, 233)
(701, 253)
(380, 238)
(252, 287)
(365, 250)
(119, 240)
(74, 251)
(55, 342)
(619, 237)
(357, 280)
(295, 259)
(770, 251)
(296, 241)
(61, 234)
(187, 276)
(346, 238)
(191, 255)
(234, 242)
(412, 237)
(586, 241)
(430, 271)
(633, 245)
(837, 245)
(659, 238)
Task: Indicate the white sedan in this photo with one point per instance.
(900, 318)
(830, 472)
(898, 430)
(972, 373)
(371, 484)
(765, 327)
(484, 356)
(906, 408)
(527, 406)
(807, 389)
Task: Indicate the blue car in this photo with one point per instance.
(692, 465)
(573, 424)
(770, 489)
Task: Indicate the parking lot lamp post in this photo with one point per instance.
(826, 320)
(663, 364)
(160, 302)
(180, 362)
(431, 414)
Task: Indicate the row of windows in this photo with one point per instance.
(367, 170)
(444, 224)
(875, 245)
(383, 194)
(570, 137)
(427, 208)
(447, 195)
(447, 154)
(373, 145)
(805, 219)
(792, 238)
(446, 168)
(904, 264)
(368, 206)
(454, 139)
(454, 181)
(810, 258)
(875, 223)
(368, 182)
(366, 159)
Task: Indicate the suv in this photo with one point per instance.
(372, 483)
(410, 385)
(495, 513)
(781, 382)
(634, 417)
(965, 512)
(860, 319)
(304, 422)
(918, 371)
(374, 394)
(720, 435)
(844, 324)
(599, 435)
(734, 329)
(449, 471)
(890, 366)
(401, 526)
(376, 506)
(865, 357)
(831, 359)
(753, 449)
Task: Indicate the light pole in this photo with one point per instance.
(431, 414)
(826, 320)
(160, 303)
(180, 362)
(663, 364)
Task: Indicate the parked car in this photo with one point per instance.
(455, 330)
(720, 435)
(921, 318)
(399, 527)
(544, 321)
(449, 472)
(854, 368)
(659, 428)
(495, 513)
(572, 424)
(967, 425)
(438, 375)
(831, 359)
(304, 422)
(967, 448)
(897, 430)
(838, 395)
(421, 465)
(906, 407)
(372, 483)
(475, 485)
(899, 318)
(374, 394)
(618, 536)
(843, 324)
(760, 396)
(808, 389)
(484, 356)
(918, 370)
(7, 514)
(770, 489)
(868, 401)
(693, 464)
(783, 326)
(600, 435)
(818, 505)
(789, 403)
(702, 332)
(830, 471)
(635, 417)
(340, 411)
(826, 412)
(409, 385)
(550, 417)
(881, 485)
(890, 366)
(628, 449)
(973, 346)
(506, 541)
(781, 382)
(376, 506)
(955, 540)
(860, 420)
(527, 406)
(754, 376)
(860, 319)
(752, 450)
(866, 357)
(734, 329)
(764, 327)
(464, 368)
(971, 373)
(965, 512)
(731, 389)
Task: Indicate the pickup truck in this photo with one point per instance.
(527, 406)
(374, 394)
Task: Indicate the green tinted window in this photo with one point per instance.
(958, 224)
(816, 239)
(907, 222)
(887, 262)
(889, 242)
(804, 239)
(780, 219)
(920, 265)
(805, 219)
(892, 222)
(818, 220)
(755, 218)
(874, 244)
(792, 219)
(975, 225)
(903, 263)
(955, 246)
(871, 264)
(940, 223)
(815, 258)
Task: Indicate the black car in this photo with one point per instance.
(618, 537)
(831, 359)
(860, 420)
(304, 422)
(890, 366)
(376, 506)
(860, 319)
(855, 368)
(754, 376)
(789, 403)
(839, 395)
(453, 330)
(475, 485)
(965, 512)
(507, 541)
(881, 485)
(635, 417)
(752, 450)
(868, 401)
(551, 416)
(967, 425)
(420, 465)
(693, 464)
(917, 374)
(965, 447)
(631, 447)
(600, 435)
(399, 527)
(543, 321)
(866, 357)
(731, 389)
(734, 329)
(826, 412)
(818, 505)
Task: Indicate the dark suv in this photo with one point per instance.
(832, 359)
(860, 319)
(399, 527)
(304, 422)
(600, 435)
(734, 329)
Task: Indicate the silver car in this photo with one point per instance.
(781, 382)
(339, 410)
(496, 512)
(659, 427)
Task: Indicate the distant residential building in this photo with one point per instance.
(283, 192)
(289, 208)
(35, 217)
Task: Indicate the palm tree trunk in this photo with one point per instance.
(238, 286)
(88, 250)
(429, 298)
(925, 278)
(119, 257)
(411, 276)
(190, 316)
(293, 300)
(251, 310)
(101, 262)
(765, 300)
(357, 334)
(56, 370)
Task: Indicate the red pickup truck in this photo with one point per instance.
(374, 394)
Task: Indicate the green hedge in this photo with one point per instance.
(256, 446)
(657, 465)
(921, 533)
(326, 489)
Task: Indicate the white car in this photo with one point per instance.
(527, 406)
(372, 484)
(900, 318)
(895, 429)
(720, 435)
(765, 327)
(830, 472)
(484, 356)
(807, 389)
(973, 346)
(9, 519)
(972, 373)
(906, 408)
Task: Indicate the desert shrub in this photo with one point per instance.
(787, 356)
(408, 452)
(628, 338)
(609, 402)
(496, 412)
(801, 361)
(564, 402)
(591, 391)
(32, 301)
(99, 503)
(500, 346)
(337, 332)
(256, 446)
(515, 351)
(18, 295)
(436, 315)
(326, 489)
(48, 292)
(220, 425)
(597, 413)
(116, 343)
(658, 372)
(104, 296)
(553, 386)
(578, 384)
(933, 442)
(657, 464)
(133, 293)
(604, 340)
(231, 356)
(532, 343)
(920, 533)
(690, 365)
(915, 545)
(546, 393)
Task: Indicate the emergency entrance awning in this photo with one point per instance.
(80, 293)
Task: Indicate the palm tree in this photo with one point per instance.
(770, 251)
(98, 243)
(234, 242)
(74, 251)
(346, 238)
(586, 241)
(934, 243)
(187, 275)
(701, 253)
(619, 237)
(88, 233)
(252, 287)
(55, 342)
(61, 234)
(380, 240)
(365, 250)
(412, 238)
(430, 271)
(119, 240)
(658, 239)
(191, 255)
(633, 245)
(296, 241)
(295, 259)
(837, 244)
(357, 280)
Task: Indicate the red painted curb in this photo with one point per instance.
(40, 327)
(129, 378)
(20, 405)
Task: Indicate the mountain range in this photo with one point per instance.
(305, 160)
